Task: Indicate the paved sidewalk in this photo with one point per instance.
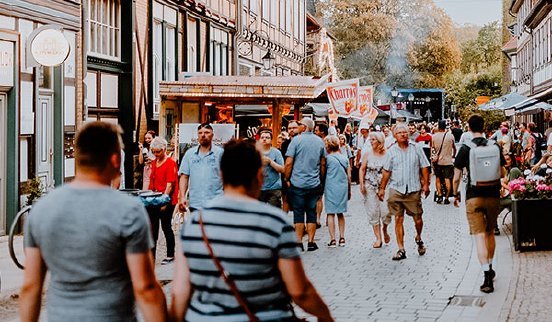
(12, 278)
(363, 284)
(530, 298)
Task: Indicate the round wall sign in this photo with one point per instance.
(50, 47)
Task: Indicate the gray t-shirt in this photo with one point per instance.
(83, 235)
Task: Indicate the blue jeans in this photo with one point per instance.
(304, 201)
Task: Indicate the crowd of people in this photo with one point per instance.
(238, 253)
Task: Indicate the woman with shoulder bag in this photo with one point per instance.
(238, 259)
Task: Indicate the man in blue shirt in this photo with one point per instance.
(200, 171)
(273, 166)
(305, 169)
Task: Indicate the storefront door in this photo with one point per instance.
(3, 158)
(45, 141)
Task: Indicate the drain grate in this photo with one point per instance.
(164, 282)
(466, 300)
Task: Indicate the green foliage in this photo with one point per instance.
(33, 190)
(398, 42)
(484, 51)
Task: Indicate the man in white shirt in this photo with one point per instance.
(405, 160)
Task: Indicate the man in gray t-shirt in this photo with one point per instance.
(94, 241)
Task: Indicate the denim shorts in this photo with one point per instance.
(304, 201)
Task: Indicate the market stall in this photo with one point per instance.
(214, 99)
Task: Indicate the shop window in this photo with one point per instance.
(102, 97)
(104, 26)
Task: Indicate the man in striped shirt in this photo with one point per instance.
(256, 246)
(407, 172)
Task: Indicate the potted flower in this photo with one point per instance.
(532, 211)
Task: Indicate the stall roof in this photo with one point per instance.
(244, 87)
(504, 102)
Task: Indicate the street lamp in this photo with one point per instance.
(268, 60)
(410, 100)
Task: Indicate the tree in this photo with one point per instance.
(484, 51)
(398, 42)
(437, 55)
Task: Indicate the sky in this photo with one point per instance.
(477, 12)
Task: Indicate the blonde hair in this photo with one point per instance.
(381, 140)
(332, 143)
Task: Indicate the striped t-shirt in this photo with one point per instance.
(248, 237)
(405, 165)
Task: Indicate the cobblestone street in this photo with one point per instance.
(363, 284)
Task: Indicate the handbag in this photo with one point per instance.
(230, 282)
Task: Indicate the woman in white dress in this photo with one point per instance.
(371, 172)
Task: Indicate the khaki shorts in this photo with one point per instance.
(411, 202)
(482, 213)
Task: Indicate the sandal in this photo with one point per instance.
(421, 247)
(401, 254)
(332, 243)
(341, 242)
(376, 245)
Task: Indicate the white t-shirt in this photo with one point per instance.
(361, 141)
(466, 137)
(549, 143)
(332, 131)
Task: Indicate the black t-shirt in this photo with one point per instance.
(457, 132)
(462, 161)
(284, 147)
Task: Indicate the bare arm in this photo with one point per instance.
(276, 166)
(148, 292)
(140, 153)
(358, 155)
(182, 287)
(362, 174)
(182, 190)
(384, 180)
(425, 181)
(33, 280)
(288, 167)
(169, 188)
(301, 290)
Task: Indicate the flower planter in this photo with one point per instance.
(532, 224)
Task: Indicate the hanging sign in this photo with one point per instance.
(343, 97)
(6, 63)
(48, 46)
(365, 97)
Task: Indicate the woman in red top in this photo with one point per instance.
(164, 179)
(425, 138)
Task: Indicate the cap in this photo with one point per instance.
(364, 126)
